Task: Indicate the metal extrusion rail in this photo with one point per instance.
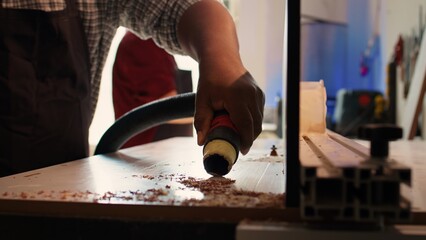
(341, 182)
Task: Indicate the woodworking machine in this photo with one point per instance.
(343, 189)
(338, 179)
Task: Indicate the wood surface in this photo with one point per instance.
(114, 185)
(148, 182)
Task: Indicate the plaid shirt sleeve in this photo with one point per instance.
(43, 5)
(148, 18)
(155, 18)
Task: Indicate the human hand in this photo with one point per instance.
(242, 99)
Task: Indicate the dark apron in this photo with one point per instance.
(44, 88)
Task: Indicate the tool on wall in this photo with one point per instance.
(373, 46)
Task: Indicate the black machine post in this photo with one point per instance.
(292, 108)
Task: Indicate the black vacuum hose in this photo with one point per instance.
(145, 117)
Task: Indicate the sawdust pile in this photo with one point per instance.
(221, 192)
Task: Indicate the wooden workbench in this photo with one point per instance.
(153, 181)
(165, 182)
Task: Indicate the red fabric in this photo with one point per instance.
(142, 72)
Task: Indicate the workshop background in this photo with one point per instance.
(350, 44)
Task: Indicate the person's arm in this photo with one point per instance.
(207, 33)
